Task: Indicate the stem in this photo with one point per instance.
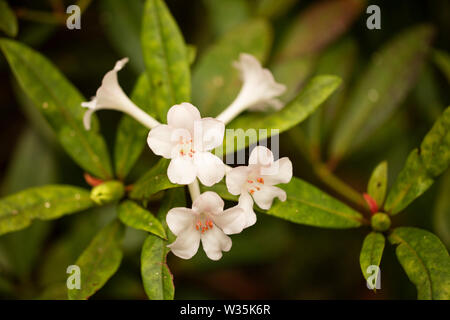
(233, 110)
(338, 185)
(194, 190)
(141, 116)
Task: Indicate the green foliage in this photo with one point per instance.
(378, 183)
(99, 261)
(153, 181)
(133, 215)
(371, 252)
(425, 261)
(48, 202)
(315, 92)
(380, 90)
(165, 58)
(441, 215)
(60, 103)
(8, 21)
(214, 82)
(442, 60)
(156, 276)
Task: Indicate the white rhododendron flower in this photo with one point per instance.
(258, 180)
(206, 222)
(111, 96)
(187, 139)
(259, 89)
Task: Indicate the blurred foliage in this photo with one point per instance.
(397, 78)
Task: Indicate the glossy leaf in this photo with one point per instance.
(378, 183)
(371, 252)
(442, 60)
(133, 215)
(45, 203)
(317, 26)
(156, 276)
(315, 92)
(309, 205)
(8, 20)
(425, 260)
(122, 25)
(165, 58)
(215, 82)
(381, 88)
(60, 103)
(153, 181)
(435, 147)
(132, 136)
(99, 261)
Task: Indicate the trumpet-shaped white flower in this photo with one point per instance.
(257, 181)
(111, 96)
(206, 222)
(258, 92)
(187, 139)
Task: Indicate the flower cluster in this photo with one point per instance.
(188, 139)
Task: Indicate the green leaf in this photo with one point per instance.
(422, 166)
(248, 125)
(308, 205)
(122, 25)
(165, 58)
(131, 136)
(378, 183)
(410, 183)
(224, 15)
(153, 181)
(442, 60)
(99, 261)
(371, 252)
(44, 203)
(273, 8)
(425, 261)
(385, 83)
(60, 103)
(317, 26)
(441, 213)
(215, 83)
(156, 276)
(435, 147)
(133, 215)
(8, 21)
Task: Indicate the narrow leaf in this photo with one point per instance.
(8, 20)
(371, 252)
(99, 261)
(60, 103)
(165, 57)
(133, 215)
(224, 15)
(441, 215)
(385, 83)
(442, 60)
(156, 276)
(44, 203)
(153, 181)
(257, 126)
(215, 83)
(317, 26)
(425, 261)
(378, 183)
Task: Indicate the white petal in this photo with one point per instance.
(267, 105)
(180, 219)
(181, 171)
(160, 141)
(231, 221)
(246, 203)
(210, 168)
(183, 116)
(87, 118)
(214, 241)
(264, 197)
(236, 178)
(187, 243)
(209, 202)
(208, 133)
(261, 155)
(279, 172)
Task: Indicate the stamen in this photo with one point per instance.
(250, 181)
(260, 180)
